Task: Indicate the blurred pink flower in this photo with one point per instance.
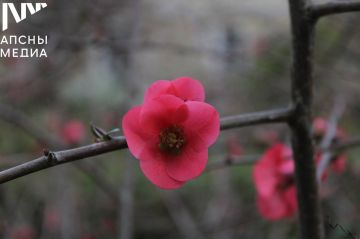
(52, 219)
(273, 175)
(234, 147)
(23, 232)
(73, 132)
(170, 133)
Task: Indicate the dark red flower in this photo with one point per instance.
(273, 175)
(170, 133)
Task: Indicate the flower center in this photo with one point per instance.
(172, 140)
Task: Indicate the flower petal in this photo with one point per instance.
(155, 171)
(291, 200)
(189, 89)
(134, 133)
(184, 88)
(270, 169)
(287, 167)
(188, 165)
(202, 126)
(272, 207)
(162, 112)
(157, 89)
(339, 163)
(265, 178)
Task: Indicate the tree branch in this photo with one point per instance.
(66, 156)
(232, 161)
(302, 29)
(346, 144)
(262, 117)
(335, 7)
(51, 159)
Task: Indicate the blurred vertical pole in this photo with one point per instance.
(126, 204)
(126, 210)
(67, 203)
(302, 29)
(220, 208)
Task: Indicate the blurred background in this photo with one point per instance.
(102, 55)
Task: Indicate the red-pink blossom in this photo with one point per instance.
(273, 175)
(184, 88)
(170, 133)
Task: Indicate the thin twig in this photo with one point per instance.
(346, 144)
(334, 7)
(232, 161)
(329, 136)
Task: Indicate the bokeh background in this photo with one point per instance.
(101, 57)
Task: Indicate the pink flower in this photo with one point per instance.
(273, 175)
(184, 88)
(170, 133)
(73, 132)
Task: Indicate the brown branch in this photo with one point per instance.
(66, 156)
(302, 29)
(346, 144)
(335, 7)
(262, 117)
(91, 150)
(52, 159)
(232, 161)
